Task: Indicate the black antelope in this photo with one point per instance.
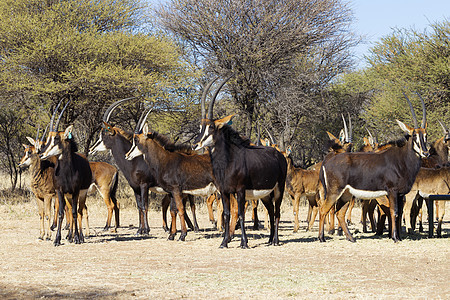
(369, 175)
(248, 171)
(42, 183)
(177, 169)
(73, 177)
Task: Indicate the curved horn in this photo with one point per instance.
(37, 133)
(213, 99)
(60, 115)
(424, 112)
(350, 128)
(141, 122)
(45, 132)
(205, 92)
(110, 109)
(54, 113)
(443, 127)
(412, 111)
(270, 136)
(345, 129)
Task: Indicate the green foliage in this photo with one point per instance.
(407, 61)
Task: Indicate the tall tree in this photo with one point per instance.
(259, 41)
(92, 52)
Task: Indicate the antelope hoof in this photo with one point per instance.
(166, 229)
(351, 239)
(331, 231)
(256, 227)
(182, 237)
(171, 237)
(52, 228)
(196, 229)
(223, 245)
(57, 243)
(106, 228)
(339, 231)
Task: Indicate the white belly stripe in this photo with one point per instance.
(362, 194)
(206, 191)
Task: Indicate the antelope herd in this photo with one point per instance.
(223, 165)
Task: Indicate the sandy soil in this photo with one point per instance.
(124, 266)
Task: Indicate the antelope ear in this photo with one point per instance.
(332, 137)
(68, 132)
(224, 121)
(405, 127)
(31, 140)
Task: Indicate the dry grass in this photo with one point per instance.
(123, 266)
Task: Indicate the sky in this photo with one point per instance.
(375, 19)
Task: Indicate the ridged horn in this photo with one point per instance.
(350, 128)
(53, 116)
(213, 99)
(443, 127)
(204, 94)
(412, 111)
(110, 109)
(424, 112)
(60, 115)
(142, 119)
(345, 129)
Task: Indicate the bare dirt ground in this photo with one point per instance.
(124, 266)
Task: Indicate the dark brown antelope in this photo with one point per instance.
(177, 169)
(42, 183)
(73, 177)
(369, 175)
(136, 171)
(248, 171)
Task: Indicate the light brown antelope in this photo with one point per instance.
(369, 175)
(239, 168)
(428, 182)
(302, 183)
(42, 183)
(439, 154)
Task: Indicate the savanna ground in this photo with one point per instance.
(124, 266)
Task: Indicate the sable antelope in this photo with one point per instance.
(42, 183)
(136, 172)
(176, 168)
(239, 168)
(73, 176)
(369, 175)
(428, 181)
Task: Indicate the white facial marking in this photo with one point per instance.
(134, 152)
(52, 150)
